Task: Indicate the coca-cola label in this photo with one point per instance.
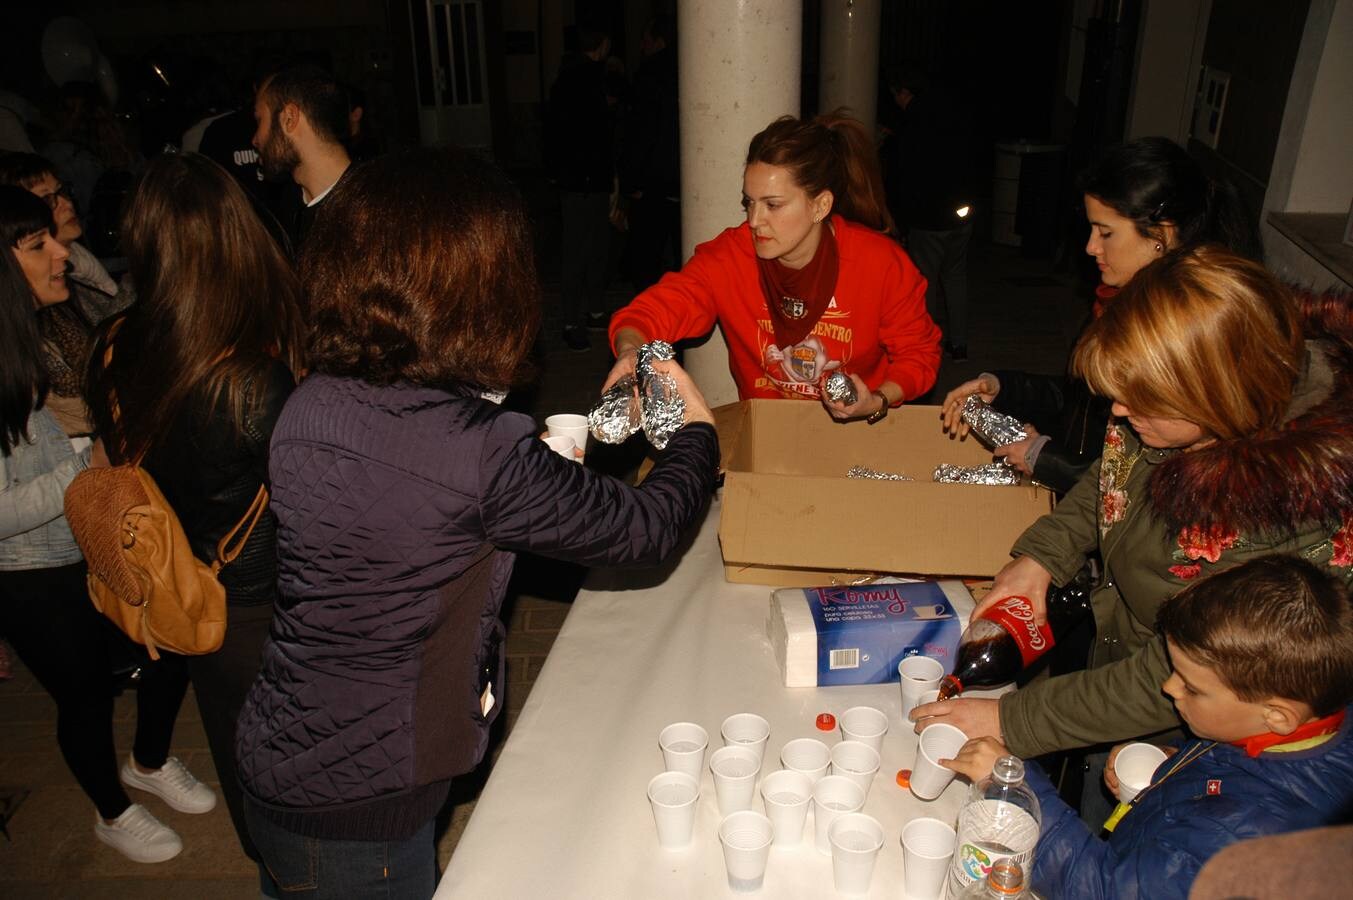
(1016, 616)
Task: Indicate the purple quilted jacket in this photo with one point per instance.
(398, 509)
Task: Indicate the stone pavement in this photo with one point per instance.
(1023, 316)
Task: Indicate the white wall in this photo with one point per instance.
(1170, 40)
(1322, 177)
(1313, 163)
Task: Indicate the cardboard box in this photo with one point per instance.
(790, 516)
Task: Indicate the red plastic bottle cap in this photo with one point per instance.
(826, 722)
(904, 778)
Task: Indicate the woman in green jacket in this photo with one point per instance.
(1232, 438)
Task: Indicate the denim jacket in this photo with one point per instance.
(33, 480)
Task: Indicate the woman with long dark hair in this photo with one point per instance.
(813, 282)
(1143, 199)
(45, 611)
(198, 370)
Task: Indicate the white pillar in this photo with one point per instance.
(848, 61)
(741, 65)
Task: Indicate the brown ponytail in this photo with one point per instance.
(829, 152)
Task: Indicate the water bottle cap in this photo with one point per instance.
(1008, 770)
(1006, 879)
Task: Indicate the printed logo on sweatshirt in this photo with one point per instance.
(1214, 787)
(798, 370)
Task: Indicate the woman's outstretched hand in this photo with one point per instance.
(697, 410)
(984, 386)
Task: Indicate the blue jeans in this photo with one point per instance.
(322, 869)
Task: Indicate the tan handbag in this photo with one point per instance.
(142, 572)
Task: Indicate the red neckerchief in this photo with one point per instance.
(797, 298)
(1258, 743)
(1103, 294)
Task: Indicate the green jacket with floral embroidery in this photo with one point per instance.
(1130, 506)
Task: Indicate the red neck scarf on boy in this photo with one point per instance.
(797, 298)
(1258, 743)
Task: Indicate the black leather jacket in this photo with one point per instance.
(1062, 408)
(210, 475)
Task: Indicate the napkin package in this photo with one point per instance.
(858, 634)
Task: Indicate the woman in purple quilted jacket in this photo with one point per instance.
(401, 492)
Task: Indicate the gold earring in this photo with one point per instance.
(1159, 247)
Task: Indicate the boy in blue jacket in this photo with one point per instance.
(1262, 659)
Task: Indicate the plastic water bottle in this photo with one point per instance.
(1005, 882)
(999, 823)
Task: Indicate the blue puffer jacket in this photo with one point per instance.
(1222, 797)
(397, 508)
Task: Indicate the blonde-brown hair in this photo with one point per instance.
(1202, 335)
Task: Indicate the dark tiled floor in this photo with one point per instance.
(1024, 316)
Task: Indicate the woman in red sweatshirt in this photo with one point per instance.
(811, 283)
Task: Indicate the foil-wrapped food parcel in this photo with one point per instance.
(992, 428)
(658, 408)
(877, 475)
(991, 473)
(840, 389)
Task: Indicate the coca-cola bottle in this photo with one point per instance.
(1004, 640)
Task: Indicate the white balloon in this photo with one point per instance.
(106, 79)
(70, 51)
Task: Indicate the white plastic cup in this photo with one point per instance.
(561, 444)
(734, 769)
(866, 725)
(1134, 766)
(746, 730)
(746, 838)
(917, 674)
(856, 761)
(937, 742)
(683, 748)
(673, 796)
(927, 846)
(833, 796)
(855, 840)
(569, 425)
(807, 755)
(927, 697)
(786, 794)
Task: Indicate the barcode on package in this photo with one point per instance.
(844, 659)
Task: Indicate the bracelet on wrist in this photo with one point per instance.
(881, 413)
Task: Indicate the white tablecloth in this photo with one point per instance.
(564, 813)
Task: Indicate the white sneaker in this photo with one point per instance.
(139, 836)
(173, 784)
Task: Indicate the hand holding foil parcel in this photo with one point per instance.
(648, 400)
(994, 429)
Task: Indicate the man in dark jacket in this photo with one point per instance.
(302, 117)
